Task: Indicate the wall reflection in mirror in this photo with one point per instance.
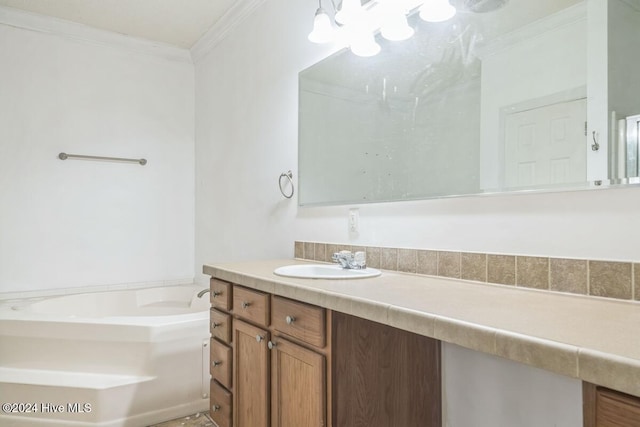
(509, 95)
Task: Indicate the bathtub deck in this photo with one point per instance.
(72, 379)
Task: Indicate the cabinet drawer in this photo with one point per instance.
(220, 405)
(299, 320)
(220, 325)
(251, 305)
(220, 363)
(220, 294)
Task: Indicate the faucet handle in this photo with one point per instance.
(343, 258)
(341, 255)
(360, 259)
(346, 255)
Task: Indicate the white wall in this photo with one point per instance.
(246, 134)
(481, 390)
(67, 224)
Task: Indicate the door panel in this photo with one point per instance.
(298, 386)
(546, 145)
(251, 376)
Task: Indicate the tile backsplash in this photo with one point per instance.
(609, 279)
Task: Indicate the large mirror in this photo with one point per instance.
(509, 95)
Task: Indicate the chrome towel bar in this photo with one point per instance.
(65, 156)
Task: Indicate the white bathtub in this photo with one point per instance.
(122, 358)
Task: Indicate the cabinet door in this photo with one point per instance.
(382, 376)
(251, 375)
(615, 409)
(298, 386)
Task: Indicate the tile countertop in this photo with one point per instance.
(594, 339)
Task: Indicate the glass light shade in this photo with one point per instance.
(437, 10)
(395, 27)
(364, 44)
(322, 29)
(350, 10)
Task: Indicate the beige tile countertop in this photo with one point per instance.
(596, 340)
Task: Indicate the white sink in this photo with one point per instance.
(324, 271)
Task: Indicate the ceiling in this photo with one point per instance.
(179, 23)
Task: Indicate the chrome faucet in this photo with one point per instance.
(349, 260)
(202, 292)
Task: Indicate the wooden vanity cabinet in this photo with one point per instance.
(609, 408)
(299, 365)
(278, 382)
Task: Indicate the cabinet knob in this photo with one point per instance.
(290, 319)
(216, 363)
(215, 325)
(245, 304)
(271, 345)
(216, 294)
(215, 408)
(259, 338)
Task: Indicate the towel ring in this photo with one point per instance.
(289, 176)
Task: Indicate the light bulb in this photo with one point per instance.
(395, 26)
(350, 10)
(364, 44)
(437, 10)
(322, 29)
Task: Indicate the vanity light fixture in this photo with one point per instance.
(355, 24)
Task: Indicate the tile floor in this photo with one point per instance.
(196, 420)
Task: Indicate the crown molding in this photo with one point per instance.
(58, 27)
(231, 19)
